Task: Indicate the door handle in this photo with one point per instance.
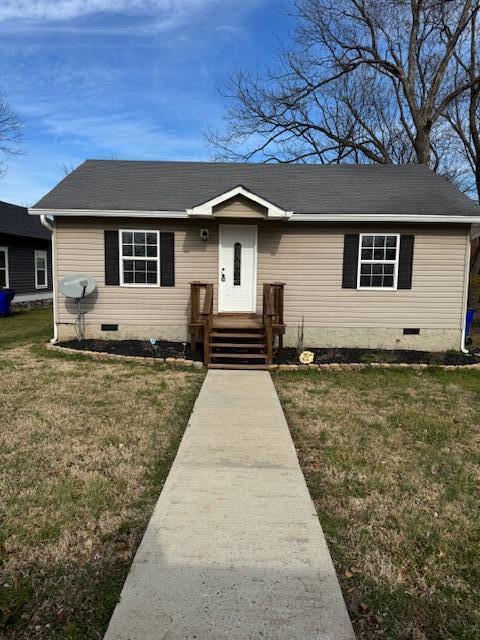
(223, 274)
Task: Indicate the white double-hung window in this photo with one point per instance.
(41, 278)
(139, 258)
(3, 267)
(378, 261)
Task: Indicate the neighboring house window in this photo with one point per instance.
(139, 258)
(378, 261)
(3, 267)
(41, 279)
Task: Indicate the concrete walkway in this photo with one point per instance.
(234, 549)
(32, 297)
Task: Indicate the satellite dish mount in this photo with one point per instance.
(78, 287)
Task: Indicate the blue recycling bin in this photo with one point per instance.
(6, 297)
(469, 320)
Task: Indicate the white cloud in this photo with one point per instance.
(73, 139)
(229, 28)
(58, 10)
(121, 134)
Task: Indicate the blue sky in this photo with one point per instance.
(122, 78)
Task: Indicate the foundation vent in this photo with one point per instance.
(109, 327)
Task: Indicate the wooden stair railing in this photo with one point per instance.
(201, 315)
(241, 341)
(273, 299)
(268, 314)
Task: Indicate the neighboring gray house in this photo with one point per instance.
(25, 254)
(370, 256)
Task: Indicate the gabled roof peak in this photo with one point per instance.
(206, 209)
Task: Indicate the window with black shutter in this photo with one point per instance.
(377, 261)
(139, 258)
(112, 264)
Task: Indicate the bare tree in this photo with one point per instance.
(66, 168)
(10, 129)
(366, 81)
(463, 114)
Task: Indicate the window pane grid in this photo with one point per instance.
(139, 257)
(378, 261)
(40, 269)
(3, 268)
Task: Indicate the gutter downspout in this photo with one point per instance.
(463, 348)
(50, 225)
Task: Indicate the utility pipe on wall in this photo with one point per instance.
(50, 225)
(463, 348)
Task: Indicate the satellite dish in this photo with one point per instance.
(77, 286)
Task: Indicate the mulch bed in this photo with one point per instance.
(367, 356)
(162, 349)
(167, 349)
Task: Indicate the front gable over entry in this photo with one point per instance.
(239, 207)
(238, 202)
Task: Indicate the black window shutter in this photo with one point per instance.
(112, 266)
(350, 260)
(167, 259)
(405, 262)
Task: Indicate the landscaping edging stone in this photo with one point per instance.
(150, 360)
(335, 366)
(289, 356)
(373, 365)
(26, 305)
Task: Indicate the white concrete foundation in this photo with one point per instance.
(32, 297)
(322, 337)
(375, 338)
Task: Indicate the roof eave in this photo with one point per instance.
(30, 236)
(367, 217)
(109, 213)
(292, 217)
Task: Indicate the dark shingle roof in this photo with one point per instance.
(302, 188)
(15, 220)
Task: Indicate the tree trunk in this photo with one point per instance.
(475, 264)
(477, 178)
(422, 144)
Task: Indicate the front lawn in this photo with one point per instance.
(26, 326)
(85, 447)
(392, 461)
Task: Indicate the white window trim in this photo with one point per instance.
(395, 262)
(41, 254)
(7, 274)
(122, 258)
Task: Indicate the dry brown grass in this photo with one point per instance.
(392, 460)
(85, 447)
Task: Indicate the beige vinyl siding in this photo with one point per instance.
(80, 248)
(307, 257)
(239, 207)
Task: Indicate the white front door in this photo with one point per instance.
(237, 268)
